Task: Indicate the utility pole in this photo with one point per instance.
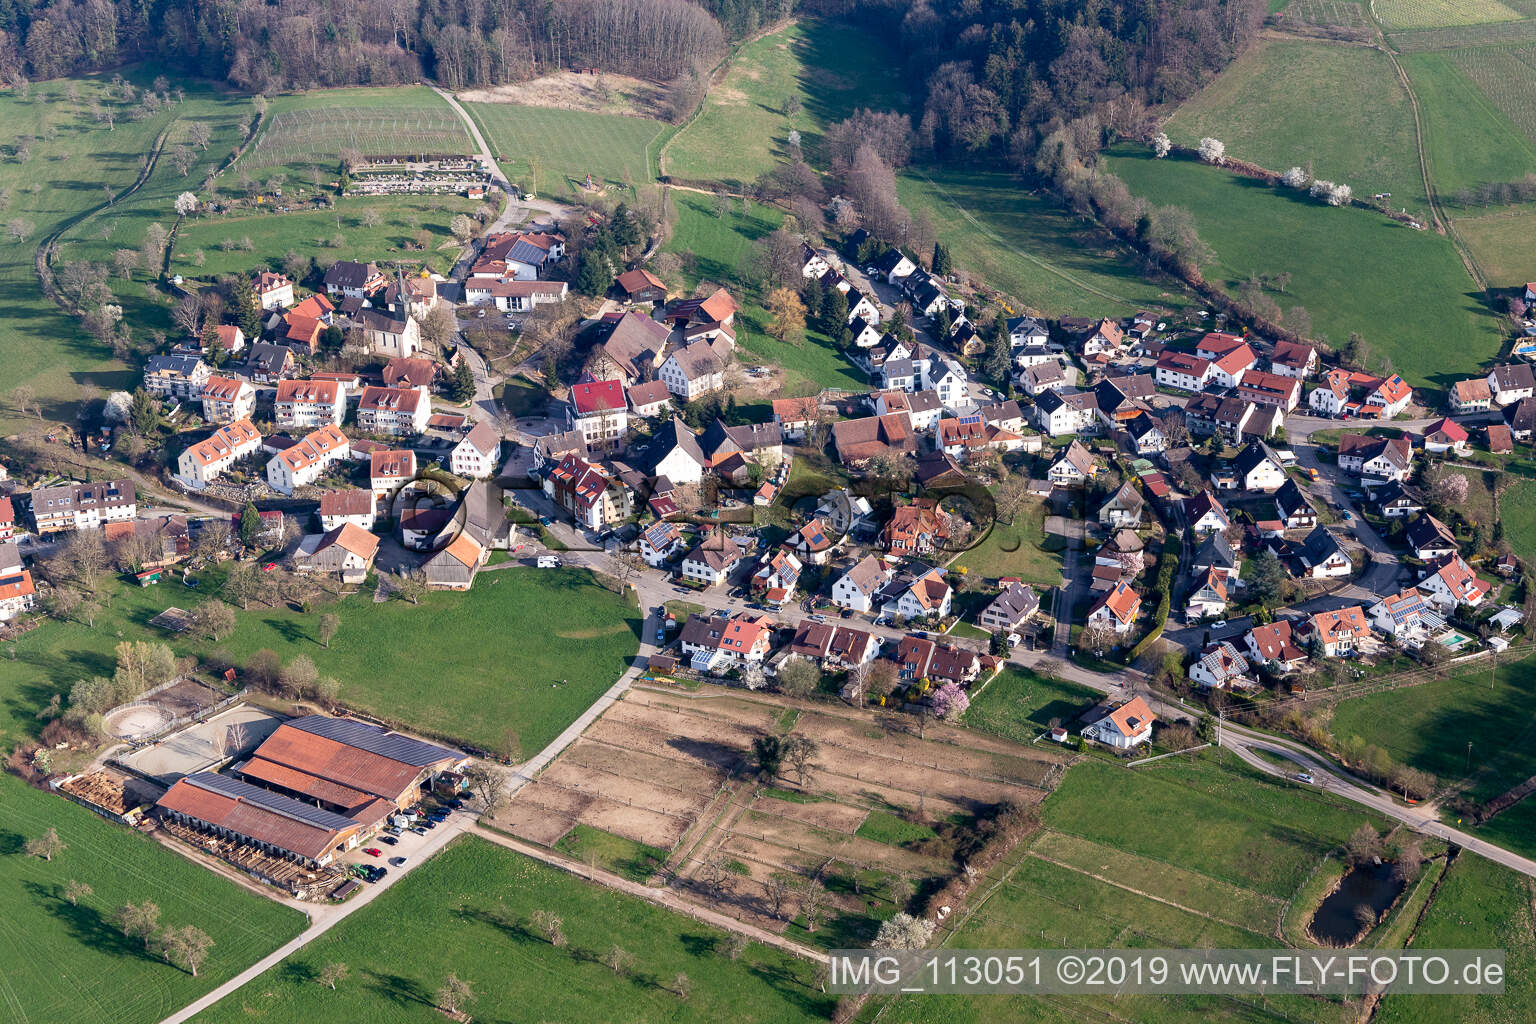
(1469, 756)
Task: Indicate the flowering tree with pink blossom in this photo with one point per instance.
(950, 702)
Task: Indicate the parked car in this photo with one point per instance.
(1347, 516)
(1219, 624)
(398, 861)
(373, 851)
(418, 830)
(389, 840)
(661, 635)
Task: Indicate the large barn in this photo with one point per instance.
(316, 785)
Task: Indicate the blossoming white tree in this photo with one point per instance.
(1213, 151)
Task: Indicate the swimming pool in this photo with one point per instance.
(1455, 641)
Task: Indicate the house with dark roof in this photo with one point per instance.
(1430, 538)
(1125, 507)
(1011, 608)
(1396, 501)
(712, 559)
(1322, 556)
(1203, 513)
(353, 279)
(1294, 508)
(1258, 468)
(916, 592)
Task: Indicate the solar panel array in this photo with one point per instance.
(375, 740)
(278, 804)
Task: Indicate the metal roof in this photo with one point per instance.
(276, 803)
(375, 740)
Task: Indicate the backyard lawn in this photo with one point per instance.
(468, 912)
(68, 962)
(1021, 548)
(1019, 704)
(1256, 229)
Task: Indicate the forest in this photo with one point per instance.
(997, 74)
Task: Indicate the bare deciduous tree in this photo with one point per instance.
(46, 845)
(332, 973)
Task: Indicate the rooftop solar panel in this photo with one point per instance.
(274, 802)
(375, 740)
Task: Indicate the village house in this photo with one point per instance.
(1116, 609)
(1203, 514)
(204, 462)
(67, 507)
(862, 309)
(712, 559)
(1221, 666)
(1450, 582)
(659, 543)
(593, 498)
(631, 354)
(518, 255)
(836, 648)
(648, 400)
(1405, 617)
(1275, 645)
(815, 542)
(514, 296)
(894, 266)
(1208, 598)
(704, 317)
(1294, 508)
(309, 403)
(1430, 538)
(1293, 359)
(353, 505)
(915, 529)
(346, 551)
(1322, 556)
(413, 297)
(676, 454)
(273, 291)
(859, 587)
(1074, 467)
(1352, 394)
(455, 566)
(865, 332)
(1214, 554)
(384, 334)
(7, 518)
(1376, 458)
(268, 364)
(388, 471)
(859, 440)
(1446, 435)
(1520, 419)
(1469, 396)
(1184, 371)
(1511, 382)
(1121, 724)
(1501, 440)
(18, 594)
(1014, 605)
(1338, 632)
(1231, 358)
(696, 369)
(1270, 389)
(717, 643)
(307, 461)
(1124, 508)
(176, 377)
(1397, 501)
(227, 399)
(777, 575)
(409, 372)
(229, 338)
(639, 285)
(353, 280)
(922, 407)
(600, 411)
(478, 455)
(796, 417)
(916, 592)
(393, 412)
(1258, 468)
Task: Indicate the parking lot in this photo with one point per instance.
(408, 844)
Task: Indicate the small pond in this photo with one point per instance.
(1368, 889)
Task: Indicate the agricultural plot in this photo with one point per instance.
(552, 151)
(1507, 76)
(1030, 248)
(1504, 245)
(1408, 14)
(1427, 40)
(661, 771)
(69, 962)
(1467, 140)
(800, 78)
(469, 911)
(1340, 109)
(1328, 13)
(313, 129)
(1255, 229)
(1181, 854)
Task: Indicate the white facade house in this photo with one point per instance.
(1059, 413)
(394, 412)
(695, 369)
(1122, 725)
(308, 460)
(308, 404)
(478, 455)
(203, 463)
(1183, 371)
(227, 399)
(859, 586)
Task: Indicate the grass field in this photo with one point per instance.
(1441, 13)
(622, 856)
(1478, 906)
(71, 159)
(1030, 248)
(310, 233)
(1255, 230)
(719, 249)
(1504, 245)
(312, 129)
(554, 150)
(829, 69)
(1467, 140)
(1019, 705)
(469, 676)
(1265, 108)
(1429, 726)
(71, 963)
(468, 912)
(1021, 548)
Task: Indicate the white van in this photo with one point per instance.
(549, 561)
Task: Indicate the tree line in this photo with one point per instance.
(307, 43)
